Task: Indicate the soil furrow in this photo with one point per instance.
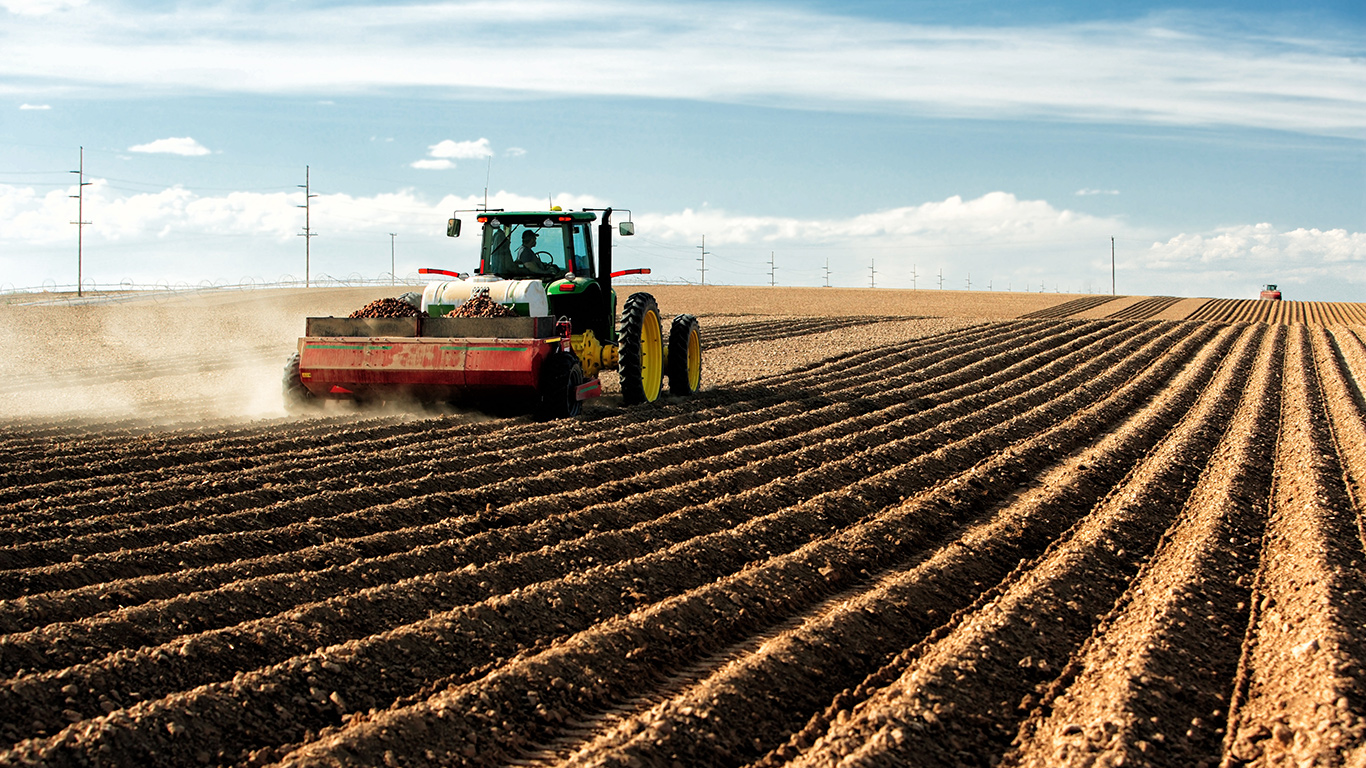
(1153, 685)
(1347, 417)
(665, 491)
(555, 608)
(1070, 307)
(352, 510)
(622, 722)
(594, 668)
(27, 612)
(261, 641)
(960, 697)
(743, 333)
(101, 509)
(1301, 699)
(1144, 309)
(835, 652)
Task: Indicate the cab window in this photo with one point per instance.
(525, 251)
(583, 254)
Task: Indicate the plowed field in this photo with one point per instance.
(1281, 312)
(884, 541)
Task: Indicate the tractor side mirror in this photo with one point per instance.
(626, 228)
(453, 228)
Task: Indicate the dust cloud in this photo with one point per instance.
(159, 360)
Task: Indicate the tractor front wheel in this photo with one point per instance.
(641, 350)
(561, 376)
(685, 356)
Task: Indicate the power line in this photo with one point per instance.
(80, 221)
(308, 233)
(703, 259)
(392, 276)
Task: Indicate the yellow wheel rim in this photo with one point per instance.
(651, 356)
(694, 361)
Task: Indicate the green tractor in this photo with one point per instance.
(543, 264)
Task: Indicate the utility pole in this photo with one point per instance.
(772, 270)
(827, 273)
(703, 259)
(393, 279)
(914, 276)
(1112, 266)
(872, 274)
(969, 281)
(941, 278)
(308, 233)
(80, 221)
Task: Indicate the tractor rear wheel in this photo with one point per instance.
(561, 375)
(640, 349)
(297, 397)
(685, 356)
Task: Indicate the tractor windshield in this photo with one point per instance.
(522, 251)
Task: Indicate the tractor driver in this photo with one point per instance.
(527, 258)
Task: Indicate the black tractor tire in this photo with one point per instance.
(640, 349)
(685, 356)
(561, 375)
(297, 397)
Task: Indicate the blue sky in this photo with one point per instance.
(1001, 144)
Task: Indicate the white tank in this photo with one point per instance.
(526, 297)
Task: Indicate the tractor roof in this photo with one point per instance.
(536, 217)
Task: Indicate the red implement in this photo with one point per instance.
(424, 368)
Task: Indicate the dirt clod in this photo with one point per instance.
(388, 308)
(480, 305)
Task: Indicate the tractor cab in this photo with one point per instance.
(544, 246)
(556, 248)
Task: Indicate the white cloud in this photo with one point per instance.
(1184, 70)
(442, 155)
(173, 146)
(1087, 192)
(39, 7)
(35, 106)
(1263, 247)
(1235, 261)
(461, 150)
(514, 152)
(997, 238)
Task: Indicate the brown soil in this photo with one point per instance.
(1282, 312)
(388, 307)
(883, 533)
(480, 305)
